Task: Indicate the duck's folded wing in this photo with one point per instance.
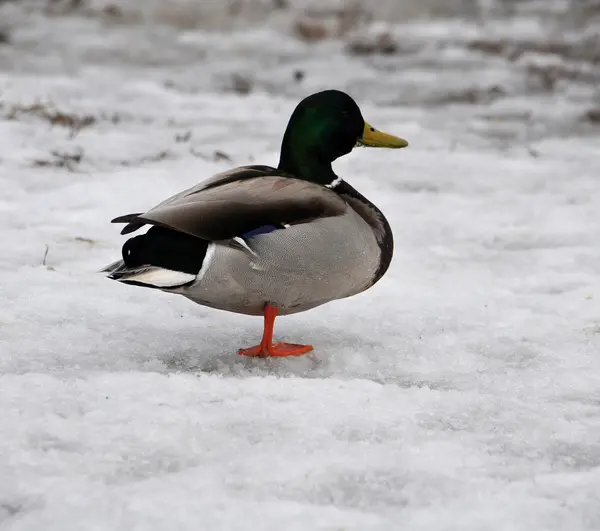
(237, 207)
(234, 174)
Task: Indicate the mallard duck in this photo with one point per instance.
(258, 240)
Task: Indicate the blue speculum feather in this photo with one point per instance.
(265, 229)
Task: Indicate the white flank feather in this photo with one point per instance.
(208, 258)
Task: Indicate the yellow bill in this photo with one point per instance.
(373, 138)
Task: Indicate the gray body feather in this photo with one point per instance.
(294, 269)
(328, 249)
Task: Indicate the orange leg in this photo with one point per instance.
(266, 348)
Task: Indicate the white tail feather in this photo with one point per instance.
(158, 277)
(112, 267)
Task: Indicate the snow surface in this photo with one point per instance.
(462, 392)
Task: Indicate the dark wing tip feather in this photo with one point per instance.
(132, 227)
(127, 218)
(132, 220)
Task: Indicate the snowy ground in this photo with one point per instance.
(462, 392)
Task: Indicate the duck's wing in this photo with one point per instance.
(227, 207)
(236, 174)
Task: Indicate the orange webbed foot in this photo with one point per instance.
(267, 349)
(275, 350)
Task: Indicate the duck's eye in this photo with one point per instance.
(345, 114)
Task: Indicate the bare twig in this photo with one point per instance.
(45, 255)
(61, 160)
(75, 123)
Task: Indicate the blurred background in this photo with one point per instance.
(497, 72)
(461, 391)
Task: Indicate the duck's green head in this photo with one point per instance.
(322, 128)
